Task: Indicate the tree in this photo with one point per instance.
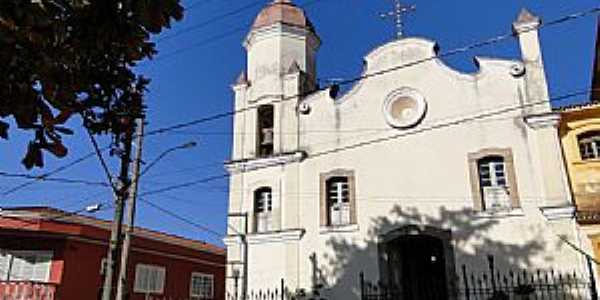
(62, 58)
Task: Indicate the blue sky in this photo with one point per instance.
(191, 79)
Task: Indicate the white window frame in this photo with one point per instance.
(338, 204)
(594, 143)
(12, 260)
(497, 187)
(160, 271)
(490, 167)
(202, 295)
(263, 217)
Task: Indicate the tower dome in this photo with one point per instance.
(282, 11)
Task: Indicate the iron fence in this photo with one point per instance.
(490, 285)
(280, 292)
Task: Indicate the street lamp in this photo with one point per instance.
(126, 244)
(187, 145)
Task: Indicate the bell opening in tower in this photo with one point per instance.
(265, 131)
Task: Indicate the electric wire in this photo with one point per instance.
(51, 173)
(98, 154)
(452, 52)
(53, 179)
(440, 125)
(183, 219)
(210, 21)
(211, 39)
(451, 123)
(220, 17)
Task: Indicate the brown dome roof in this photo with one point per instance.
(282, 11)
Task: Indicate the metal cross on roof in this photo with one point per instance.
(399, 10)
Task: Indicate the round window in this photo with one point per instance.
(404, 108)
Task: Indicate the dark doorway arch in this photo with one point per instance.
(417, 262)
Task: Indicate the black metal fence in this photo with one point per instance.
(281, 292)
(491, 285)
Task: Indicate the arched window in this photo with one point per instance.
(338, 200)
(265, 121)
(493, 182)
(263, 205)
(589, 145)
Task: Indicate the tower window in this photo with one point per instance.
(263, 206)
(265, 130)
(589, 145)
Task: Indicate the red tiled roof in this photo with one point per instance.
(577, 107)
(52, 214)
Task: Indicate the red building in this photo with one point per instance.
(46, 254)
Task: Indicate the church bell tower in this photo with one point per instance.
(280, 71)
(281, 66)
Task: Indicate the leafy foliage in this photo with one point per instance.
(62, 58)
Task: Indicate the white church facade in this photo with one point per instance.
(415, 171)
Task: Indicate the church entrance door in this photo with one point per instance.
(417, 268)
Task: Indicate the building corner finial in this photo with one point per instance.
(526, 21)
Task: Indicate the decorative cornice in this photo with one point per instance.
(551, 119)
(558, 213)
(280, 29)
(241, 166)
(232, 240)
(276, 236)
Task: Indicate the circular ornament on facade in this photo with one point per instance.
(404, 108)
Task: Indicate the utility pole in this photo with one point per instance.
(120, 196)
(122, 283)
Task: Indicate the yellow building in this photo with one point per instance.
(580, 136)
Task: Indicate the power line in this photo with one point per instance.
(197, 4)
(53, 172)
(184, 219)
(379, 140)
(98, 153)
(210, 39)
(451, 52)
(54, 179)
(210, 21)
(448, 124)
(184, 185)
(204, 42)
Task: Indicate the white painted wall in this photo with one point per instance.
(422, 173)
